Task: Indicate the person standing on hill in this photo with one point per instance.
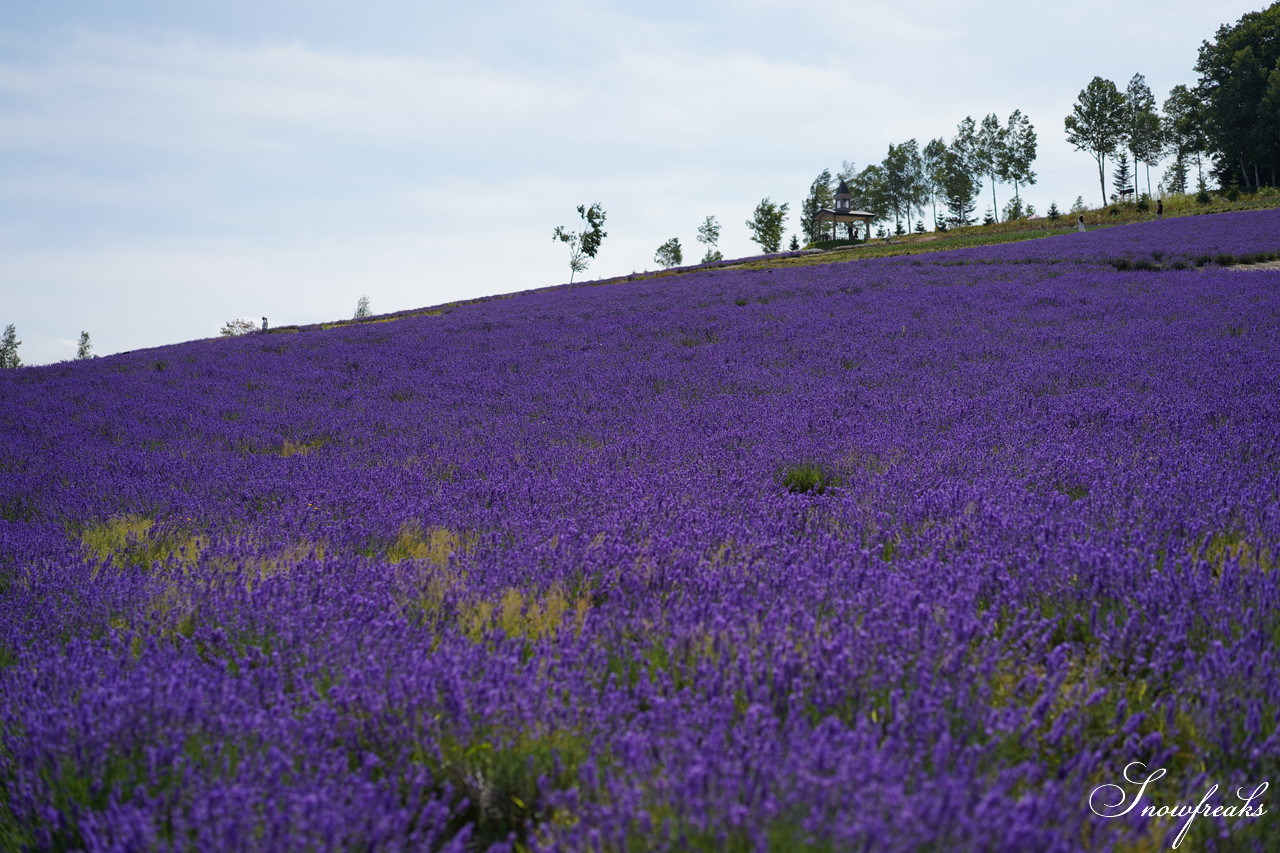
(1159, 208)
(1080, 223)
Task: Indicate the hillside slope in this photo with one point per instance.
(899, 554)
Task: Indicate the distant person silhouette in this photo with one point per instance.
(1080, 223)
(1159, 208)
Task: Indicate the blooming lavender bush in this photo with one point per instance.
(530, 574)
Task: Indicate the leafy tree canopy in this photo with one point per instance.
(1019, 152)
(709, 232)
(9, 347)
(1241, 97)
(766, 224)
(240, 326)
(669, 254)
(821, 195)
(583, 245)
(1097, 124)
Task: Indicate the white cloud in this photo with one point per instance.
(178, 91)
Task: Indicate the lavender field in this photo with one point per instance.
(899, 555)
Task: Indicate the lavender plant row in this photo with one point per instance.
(1222, 239)
(892, 555)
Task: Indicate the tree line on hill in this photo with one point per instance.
(913, 178)
(1229, 118)
(1238, 98)
(766, 225)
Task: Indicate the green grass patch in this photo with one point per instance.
(807, 478)
(132, 540)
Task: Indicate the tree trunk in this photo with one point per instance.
(995, 209)
(1102, 177)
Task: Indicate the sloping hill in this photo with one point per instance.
(912, 553)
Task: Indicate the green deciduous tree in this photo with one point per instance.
(959, 188)
(767, 224)
(917, 182)
(821, 195)
(669, 254)
(1019, 153)
(989, 152)
(902, 181)
(1269, 122)
(1235, 71)
(9, 344)
(235, 328)
(583, 245)
(966, 148)
(709, 236)
(362, 308)
(959, 175)
(1142, 127)
(1183, 127)
(931, 163)
(84, 349)
(1097, 124)
(868, 190)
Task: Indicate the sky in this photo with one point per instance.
(166, 167)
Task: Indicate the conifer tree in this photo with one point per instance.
(1120, 178)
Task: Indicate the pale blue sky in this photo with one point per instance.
(167, 166)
